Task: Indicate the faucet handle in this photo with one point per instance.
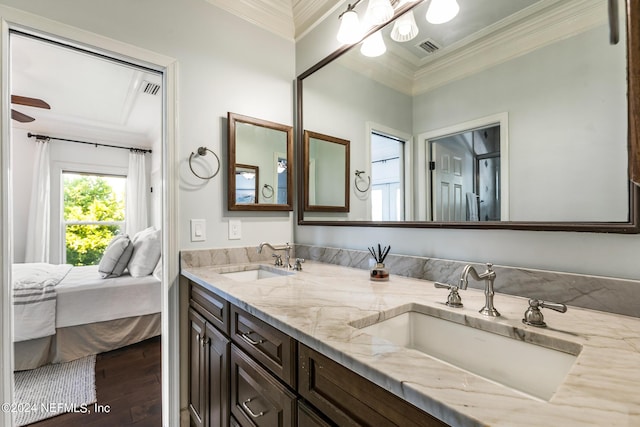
(533, 316)
(278, 261)
(298, 264)
(454, 299)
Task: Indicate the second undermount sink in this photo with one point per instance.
(502, 356)
(255, 272)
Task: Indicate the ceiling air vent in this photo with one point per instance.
(149, 88)
(429, 46)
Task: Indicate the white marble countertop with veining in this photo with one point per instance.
(317, 305)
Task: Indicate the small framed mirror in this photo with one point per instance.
(260, 173)
(326, 173)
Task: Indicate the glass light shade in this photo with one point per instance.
(441, 11)
(405, 28)
(350, 31)
(379, 12)
(374, 45)
(248, 175)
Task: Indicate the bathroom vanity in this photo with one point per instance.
(326, 346)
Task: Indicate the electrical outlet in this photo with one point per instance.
(198, 230)
(235, 229)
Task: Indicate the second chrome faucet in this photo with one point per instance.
(488, 276)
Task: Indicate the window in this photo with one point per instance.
(387, 184)
(93, 212)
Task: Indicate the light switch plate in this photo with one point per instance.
(235, 229)
(198, 230)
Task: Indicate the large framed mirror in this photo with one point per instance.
(260, 164)
(326, 173)
(514, 115)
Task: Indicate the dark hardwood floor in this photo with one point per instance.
(128, 383)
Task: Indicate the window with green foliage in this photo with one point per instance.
(94, 207)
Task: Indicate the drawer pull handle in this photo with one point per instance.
(245, 336)
(253, 414)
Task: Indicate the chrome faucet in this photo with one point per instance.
(488, 276)
(287, 253)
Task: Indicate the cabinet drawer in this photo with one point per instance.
(257, 398)
(351, 400)
(214, 308)
(274, 349)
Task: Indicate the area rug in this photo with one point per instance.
(54, 389)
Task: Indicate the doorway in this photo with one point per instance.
(164, 194)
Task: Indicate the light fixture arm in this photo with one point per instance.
(350, 7)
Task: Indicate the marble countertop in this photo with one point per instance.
(318, 305)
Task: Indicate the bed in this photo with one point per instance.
(74, 312)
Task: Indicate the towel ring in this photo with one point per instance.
(355, 182)
(269, 191)
(202, 151)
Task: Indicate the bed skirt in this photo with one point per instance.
(74, 342)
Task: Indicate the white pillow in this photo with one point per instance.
(146, 252)
(116, 256)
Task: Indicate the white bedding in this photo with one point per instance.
(34, 299)
(84, 297)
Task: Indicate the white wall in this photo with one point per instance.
(225, 64)
(588, 253)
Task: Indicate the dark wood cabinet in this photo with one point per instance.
(257, 398)
(244, 372)
(269, 346)
(351, 400)
(308, 417)
(208, 373)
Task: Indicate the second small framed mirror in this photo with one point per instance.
(260, 172)
(326, 173)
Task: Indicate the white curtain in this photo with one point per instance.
(136, 203)
(37, 244)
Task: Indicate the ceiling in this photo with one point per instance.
(288, 18)
(91, 98)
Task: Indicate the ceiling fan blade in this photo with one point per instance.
(30, 102)
(22, 118)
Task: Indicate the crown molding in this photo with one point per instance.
(275, 16)
(561, 20)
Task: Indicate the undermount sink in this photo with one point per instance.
(255, 272)
(500, 356)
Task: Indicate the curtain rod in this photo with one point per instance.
(47, 138)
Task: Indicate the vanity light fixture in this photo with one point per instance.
(350, 30)
(248, 175)
(378, 12)
(374, 45)
(405, 28)
(441, 11)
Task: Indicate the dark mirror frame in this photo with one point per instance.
(632, 226)
(332, 140)
(232, 120)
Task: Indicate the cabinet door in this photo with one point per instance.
(217, 346)
(257, 398)
(197, 370)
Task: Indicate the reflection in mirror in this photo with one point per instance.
(564, 92)
(326, 172)
(259, 145)
(247, 178)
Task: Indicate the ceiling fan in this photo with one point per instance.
(30, 102)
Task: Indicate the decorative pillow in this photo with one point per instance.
(116, 256)
(146, 252)
(157, 271)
